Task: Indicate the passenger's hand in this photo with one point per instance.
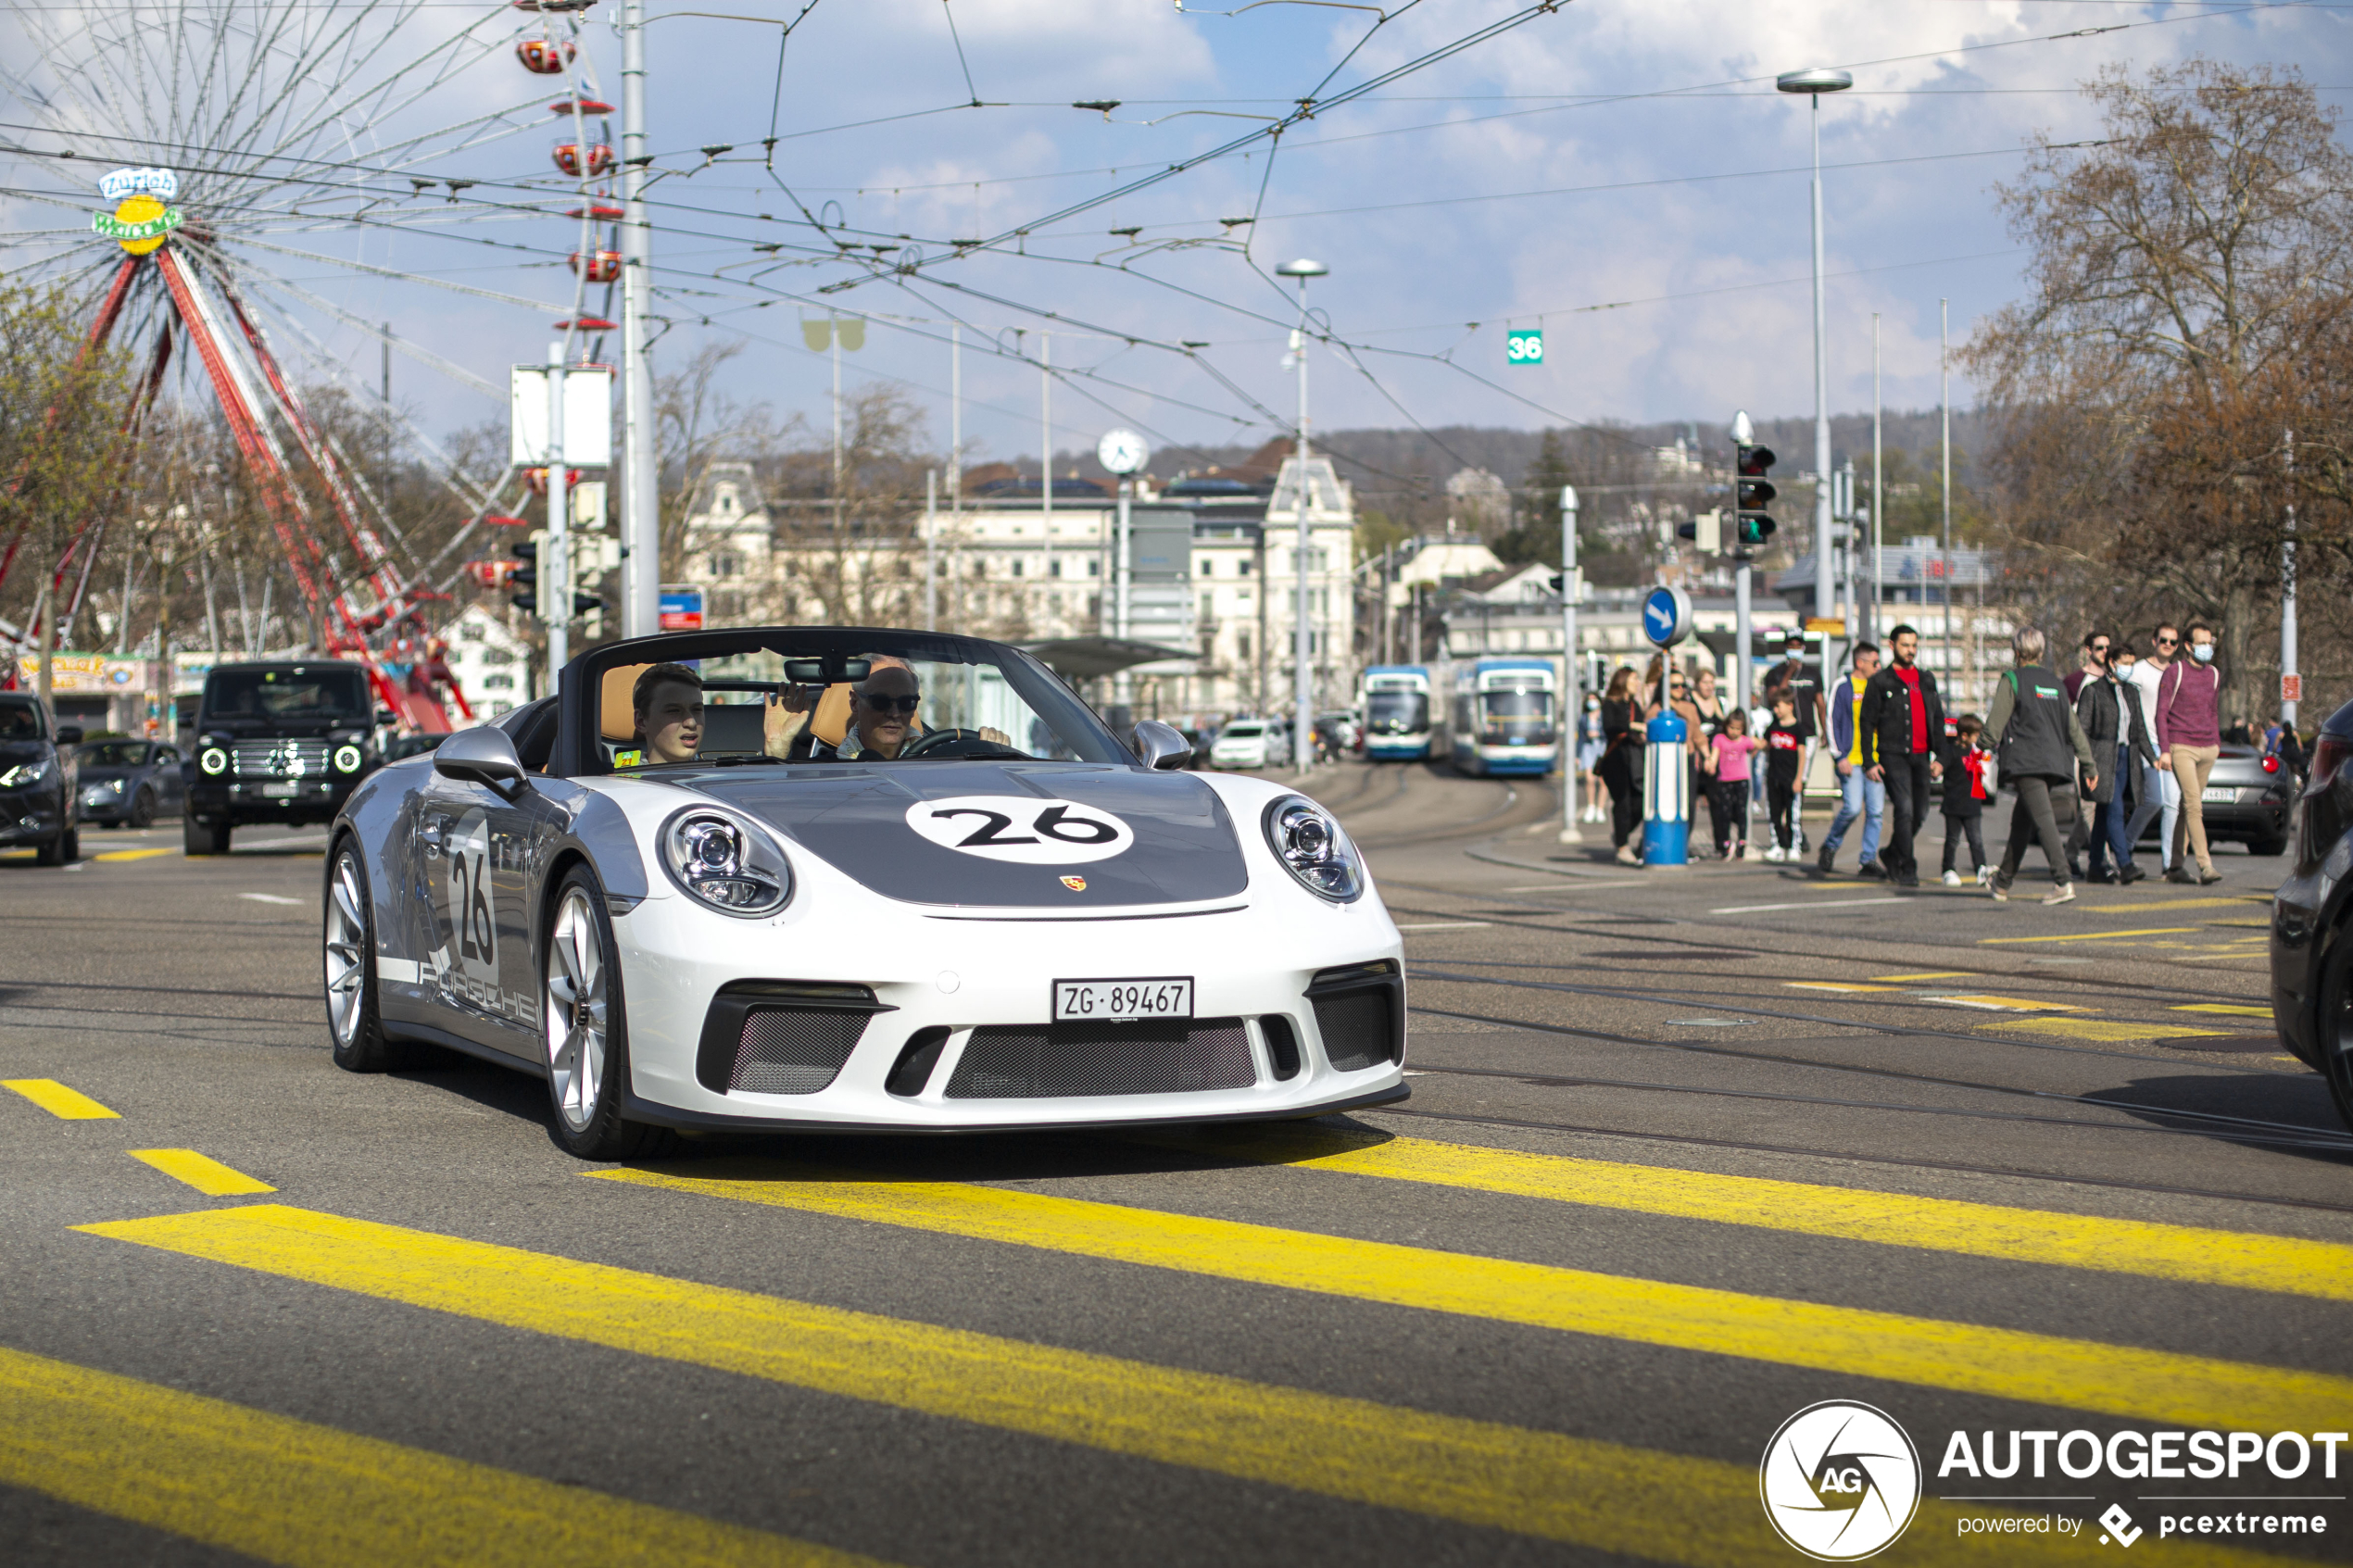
(784, 715)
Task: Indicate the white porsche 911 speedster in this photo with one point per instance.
(853, 880)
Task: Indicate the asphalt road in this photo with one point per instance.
(1687, 1152)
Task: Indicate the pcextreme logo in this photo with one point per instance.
(1840, 1481)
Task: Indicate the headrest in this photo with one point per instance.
(616, 708)
(831, 721)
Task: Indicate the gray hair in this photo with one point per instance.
(2028, 642)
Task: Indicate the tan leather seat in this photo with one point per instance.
(831, 720)
(616, 702)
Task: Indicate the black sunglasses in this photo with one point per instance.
(885, 704)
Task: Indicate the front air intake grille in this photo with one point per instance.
(281, 758)
(1047, 1061)
(1360, 1011)
(793, 1051)
(781, 1036)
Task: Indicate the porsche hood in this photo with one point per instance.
(1002, 834)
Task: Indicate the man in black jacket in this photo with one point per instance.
(2107, 708)
(1903, 724)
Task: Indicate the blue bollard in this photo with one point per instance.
(1666, 793)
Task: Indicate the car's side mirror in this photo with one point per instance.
(485, 755)
(68, 734)
(1161, 745)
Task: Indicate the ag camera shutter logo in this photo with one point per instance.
(1840, 1481)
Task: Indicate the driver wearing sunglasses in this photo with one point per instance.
(882, 714)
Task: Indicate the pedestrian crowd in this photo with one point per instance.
(2091, 757)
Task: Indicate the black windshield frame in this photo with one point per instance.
(578, 755)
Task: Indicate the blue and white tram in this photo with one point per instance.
(1394, 700)
(1503, 719)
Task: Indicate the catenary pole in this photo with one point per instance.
(1572, 711)
(1877, 497)
(2289, 679)
(555, 562)
(641, 497)
(1821, 391)
(931, 550)
(1945, 416)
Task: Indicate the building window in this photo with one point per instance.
(1017, 564)
(470, 631)
(1242, 566)
(498, 655)
(1094, 567)
(1056, 568)
(1204, 566)
(498, 683)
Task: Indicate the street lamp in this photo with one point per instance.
(1302, 733)
(1814, 83)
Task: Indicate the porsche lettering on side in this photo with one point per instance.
(844, 879)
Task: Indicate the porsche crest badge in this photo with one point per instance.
(1076, 883)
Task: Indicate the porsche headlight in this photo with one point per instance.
(346, 759)
(24, 775)
(213, 760)
(726, 863)
(1309, 842)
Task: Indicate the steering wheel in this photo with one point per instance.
(941, 740)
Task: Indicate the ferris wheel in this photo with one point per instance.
(223, 143)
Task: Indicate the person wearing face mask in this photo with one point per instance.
(2189, 739)
(1590, 741)
(2155, 791)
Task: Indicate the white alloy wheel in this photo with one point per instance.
(346, 940)
(575, 1009)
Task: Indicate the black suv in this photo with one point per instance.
(40, 784)
(277, 743)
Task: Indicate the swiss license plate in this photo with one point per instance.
(1111, 1001)
(277, 792)
(2220, 796)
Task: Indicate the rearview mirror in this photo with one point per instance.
(485, 755)
(1161, 745)
(831, 669)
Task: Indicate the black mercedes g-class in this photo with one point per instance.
(276, 743)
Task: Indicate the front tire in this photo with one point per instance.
(587, 1029)
(198, 839)
(2334, 1035)
(142, 810)
(355, 1028)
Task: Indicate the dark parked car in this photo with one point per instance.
(130, 782)
(277, 743)
(2248, 800)
(38, 780)
(400, 746)
(2311, 958)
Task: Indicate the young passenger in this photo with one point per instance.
(667, 706)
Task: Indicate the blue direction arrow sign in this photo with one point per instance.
(1666, 616)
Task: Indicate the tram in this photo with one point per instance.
(1503, 717)
(1394, 699)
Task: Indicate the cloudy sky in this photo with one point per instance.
(1621, 175)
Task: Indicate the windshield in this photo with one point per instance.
(827, 696)
(1520, 704)
(332, 693)
(114, 754)
(1396, 713)
(1242, 732)
(20, 721)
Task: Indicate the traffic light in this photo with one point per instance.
(524, 579)
(1705, 532)
(1753, 493)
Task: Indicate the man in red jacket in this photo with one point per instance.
(2189, 738)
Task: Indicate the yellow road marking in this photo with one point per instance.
(201, 1172)
(1856, 1342)
(2235, 1009)
(294, 1492)
(2009, 1004)
(1603, 1495)
(2093, 935)
(2104, 1029)
(1834, 986)
(67, 1105)
(2128, 908)
(2074, 1241)
(2241, 925)
(1939, 974)
(133, 854)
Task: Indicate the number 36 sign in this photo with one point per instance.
(1524, 348)
(1020, 829)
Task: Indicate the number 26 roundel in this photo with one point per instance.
(1020, 829)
